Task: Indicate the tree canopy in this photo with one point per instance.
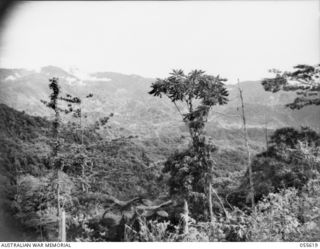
(197, 91)
(304, 80)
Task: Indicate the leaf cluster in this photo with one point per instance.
(195, 88)
(304, 80)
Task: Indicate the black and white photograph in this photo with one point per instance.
(159, 121)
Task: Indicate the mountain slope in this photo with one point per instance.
(137, 112)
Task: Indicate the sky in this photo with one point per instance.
(233, 39)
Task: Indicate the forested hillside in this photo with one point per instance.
(117, 157)
(129, 166)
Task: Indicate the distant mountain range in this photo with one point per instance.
(136, 112)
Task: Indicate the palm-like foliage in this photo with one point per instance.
(196, 85)
(197, 91)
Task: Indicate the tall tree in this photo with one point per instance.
(304, 80)
(245, 131)
(191, 171)
(57, 162)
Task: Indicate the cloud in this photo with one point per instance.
(234, 39)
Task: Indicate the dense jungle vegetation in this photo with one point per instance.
(112, 186)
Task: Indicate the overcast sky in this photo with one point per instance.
(234, 39)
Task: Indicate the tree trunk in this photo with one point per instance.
(248, 149)
(61, 221)
(210, 180)
(63, 226)
(59, 208)
(185, 222)
(210, 203)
